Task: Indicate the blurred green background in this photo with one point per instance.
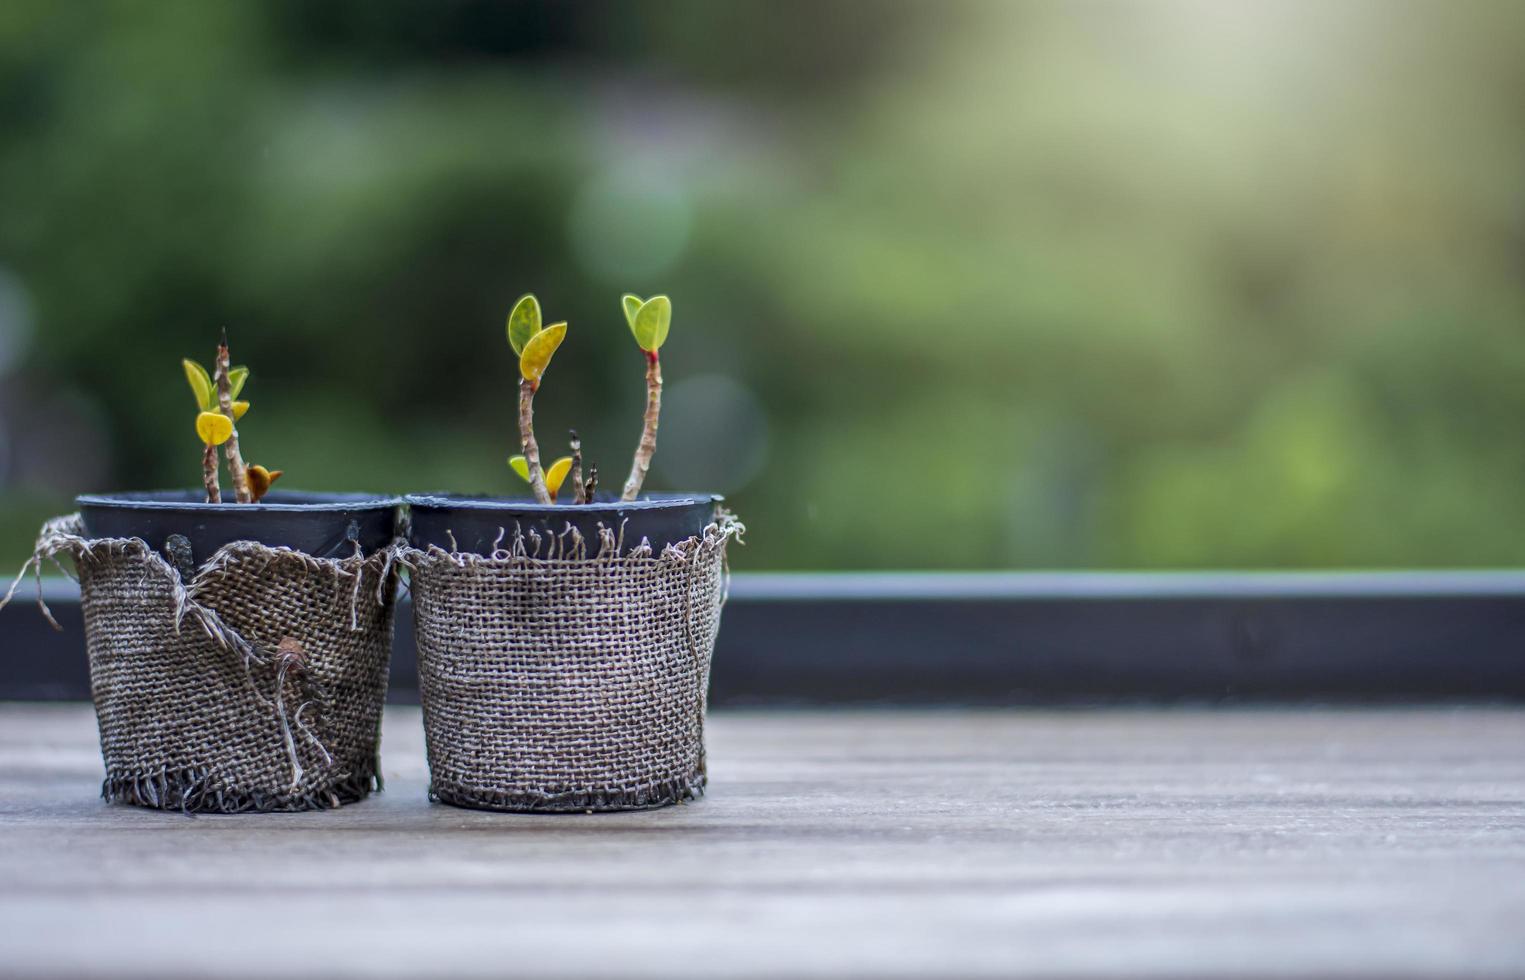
(1137, 285)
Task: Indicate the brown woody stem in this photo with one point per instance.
(648, 444)
(236, 469)
(527, 437)
(576, 475)
(209, 474)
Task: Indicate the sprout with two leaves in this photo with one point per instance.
(535, 346)
(649, 321)
(216, 425)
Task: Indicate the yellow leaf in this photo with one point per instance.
(239, 408)
(521, 466)
(557, 474)
(236, 378)
(537, 353)
(523, 322)
(201, 385)
(260, 480)
(214, 428)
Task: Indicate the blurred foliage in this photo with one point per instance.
(962, 284)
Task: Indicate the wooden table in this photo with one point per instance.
(1171, 842)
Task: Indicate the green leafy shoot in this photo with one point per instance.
(651, 322)
(201, 385)
(206, 392)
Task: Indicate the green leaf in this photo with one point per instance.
(236, 378)
(651, 323)
(201, 385)
(521, 466)
(537, 353)
(523, 322)
(632, 303)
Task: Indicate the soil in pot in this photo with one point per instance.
(324, 525)
(477, 525)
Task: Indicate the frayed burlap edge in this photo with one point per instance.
(191, 790)
(525, 548)
(533, 550)
(651, 797)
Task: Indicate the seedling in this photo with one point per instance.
(555, 474)
(216, 425)
(535, 346)
(649, 321)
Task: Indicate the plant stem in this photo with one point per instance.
(527, 436)
(236, 469)
(648, 444)
(209, 474)
(576, 475)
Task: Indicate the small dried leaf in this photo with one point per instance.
(537, 353)
(521, 466)
(214, 428)
(236, 378)
(651, 323)
(260, 480)
(523, 322)
(201, 385)
(557, 475)
(239, 408)
(632, 304)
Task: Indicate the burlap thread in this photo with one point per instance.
(560, 674)
(255, 686)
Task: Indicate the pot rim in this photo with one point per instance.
(168, 501)
(650, 501)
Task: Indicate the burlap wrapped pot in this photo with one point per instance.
(257, 685)
(564, 675)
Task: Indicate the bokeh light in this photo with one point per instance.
(1138, 285)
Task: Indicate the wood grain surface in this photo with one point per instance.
(891, 843)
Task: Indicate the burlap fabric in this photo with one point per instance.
(563, 675)
(257, 685)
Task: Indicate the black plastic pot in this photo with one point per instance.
(324, 525)
(474, 524)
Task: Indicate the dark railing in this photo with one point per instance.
(1030, 638)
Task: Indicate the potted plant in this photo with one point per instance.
(238, 647)
(564, 643)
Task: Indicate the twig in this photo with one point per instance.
(236, 469)
(576, 474)
(527, 436)
(648, 444)
(209, 474)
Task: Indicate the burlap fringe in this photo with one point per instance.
(187, 789)
(194, 791)
(660, 794)
(527, 549)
